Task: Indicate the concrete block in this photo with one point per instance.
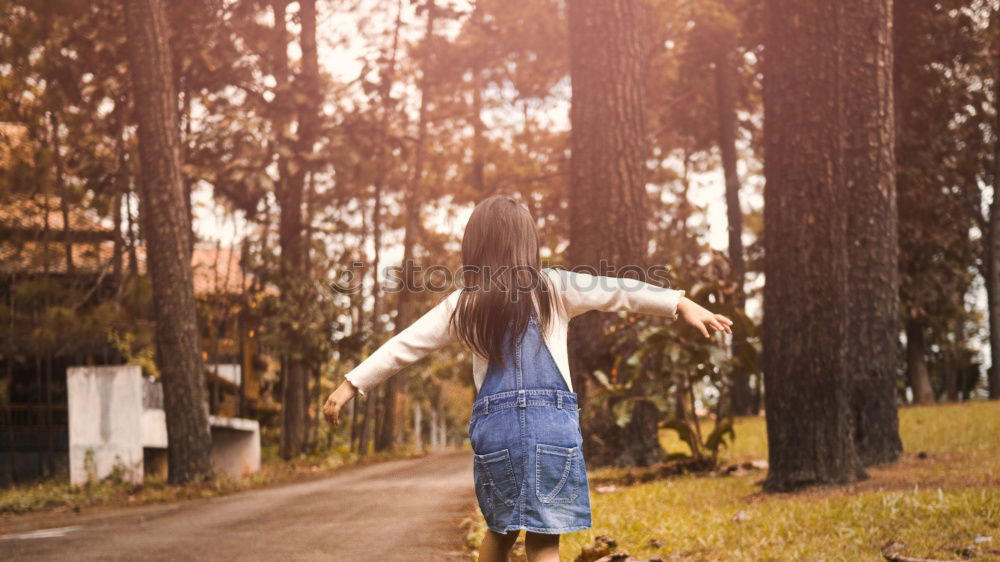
(235, 445)
(154, 428)
(105, 429)
(116, 420)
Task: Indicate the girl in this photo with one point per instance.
(528, 463)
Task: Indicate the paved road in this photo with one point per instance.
(398, 510)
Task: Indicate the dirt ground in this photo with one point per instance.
(397, 510)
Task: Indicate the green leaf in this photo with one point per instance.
(685, 433)
(717, 438)
(623, 411)
(602, 378)
(661, 402)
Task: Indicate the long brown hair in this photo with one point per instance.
(502, 277)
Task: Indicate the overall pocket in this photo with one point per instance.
(494, 476)
(557, 473)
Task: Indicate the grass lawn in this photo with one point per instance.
(943, 504)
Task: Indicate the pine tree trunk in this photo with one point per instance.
(950, 378)
(869, 177)
(806, 256)
(607, 202)
(478, 139)
(405, 313)
(433, 426)
(388, 106)
(309, 125)
(290, 192)
(367, 423)
(178, 349)
(992, 281)
(992, 244)
(60, 178)
(741, 400)
(418, 437)
(478, 171)
(916, 363)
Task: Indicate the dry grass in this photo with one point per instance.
(946, 505)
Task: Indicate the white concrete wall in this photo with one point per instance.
(109, 427)
(231, 372)
(235, 445)
(154, 428)
(105, 429)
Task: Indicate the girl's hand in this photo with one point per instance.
(337, 400)
(702, 318)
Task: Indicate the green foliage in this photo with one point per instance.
(689, 433)
(144, 356)
(669, 361)
(717, 438)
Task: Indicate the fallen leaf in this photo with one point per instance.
(600, 549)
(618, 557)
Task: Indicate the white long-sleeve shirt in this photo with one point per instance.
(574, 294)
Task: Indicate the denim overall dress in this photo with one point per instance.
(525, 432)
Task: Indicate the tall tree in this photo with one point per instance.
(290, 191)
(717, 34)
(178, 348)
(991, 256)
(310, 123)
(725, 75)
(404, 317)
(868, 179)
(806, 258)
(939, 148)
(607, 208)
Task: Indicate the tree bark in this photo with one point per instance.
(607, 203)
(367, 424)
(991, 257)
(310, 120)
(806, 307)
(385, 438)
(916, 363)
(405, 313)
(478, 127)
(418, 437)
(741, 399)
(290, 195)
(388, 106)
(992, 244)
(869, 178)
(60, 178)
(178, 349)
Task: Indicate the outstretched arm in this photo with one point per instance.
(430, 332)
(582, 292)
(337, 400)
(702, 318)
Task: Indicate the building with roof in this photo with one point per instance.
(74, 292)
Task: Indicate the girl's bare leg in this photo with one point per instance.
(541, 548)
(496, 547)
